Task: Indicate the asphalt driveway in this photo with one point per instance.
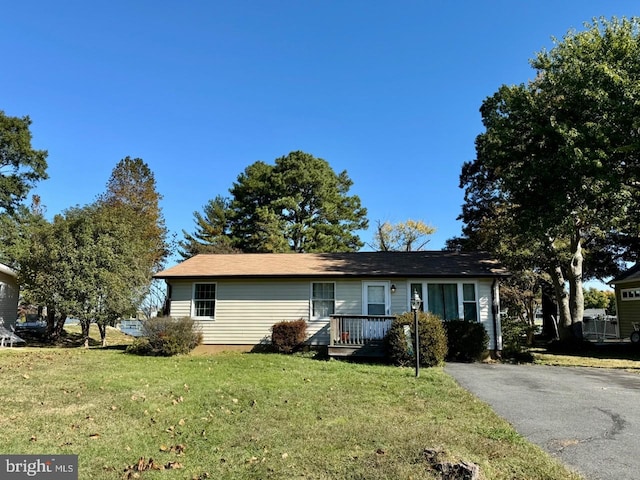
(588, 418)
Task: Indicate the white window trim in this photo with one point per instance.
(462, 302)
(193, 301)
(387, 295)
(459, 288)
(630, 294)
(311, 299)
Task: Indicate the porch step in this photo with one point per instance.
(373, 349)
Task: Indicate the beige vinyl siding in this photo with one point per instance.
(348, 297)
(628, 310)
(181, 293)
(485, 315)
(247, 309)
(400, 299)
(9, 292)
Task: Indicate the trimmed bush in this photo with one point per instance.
(165, 336)
(287, 337)
(514, 336)
(467, 341)
(433, 340)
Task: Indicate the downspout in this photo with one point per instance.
(495, 310)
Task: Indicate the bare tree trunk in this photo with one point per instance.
(103, 333)
(575, 281)
(549, 310)
(55, 323)
(562, 297)
(85, 324)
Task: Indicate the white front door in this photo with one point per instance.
(375, 298)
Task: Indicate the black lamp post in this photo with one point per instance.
(415, 306)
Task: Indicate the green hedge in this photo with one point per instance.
(432, 336)
(467, 341)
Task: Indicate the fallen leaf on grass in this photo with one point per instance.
(94, 436)
(202, 476)
(25, 376)
(179, 449)
(144, 465)
(181, 422)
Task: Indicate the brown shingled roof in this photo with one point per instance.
(358, 264)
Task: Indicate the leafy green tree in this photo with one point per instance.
(212, 234)
(556, 169)
(96, 262)
(596, 298)
(41, 252)
(408, 236)
(20, 165)
(111, 282)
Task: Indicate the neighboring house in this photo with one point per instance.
(9, 295)
(347, 299)
(627, 287)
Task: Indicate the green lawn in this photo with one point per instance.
(250, 416)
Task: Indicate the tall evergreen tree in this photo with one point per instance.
(131, 192)
(212, 233)
(299, 204)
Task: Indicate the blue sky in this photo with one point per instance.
(387, 90)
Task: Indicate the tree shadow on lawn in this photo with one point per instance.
(613, 351)
(67, 340)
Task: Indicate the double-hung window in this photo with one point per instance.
(204, 300)
(469, 302)
(323, 299)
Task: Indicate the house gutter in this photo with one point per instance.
(8, 271)
(495, 309)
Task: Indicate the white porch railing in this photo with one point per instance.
(358, 329)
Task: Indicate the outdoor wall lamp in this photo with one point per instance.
(393, 288)
(416, 301)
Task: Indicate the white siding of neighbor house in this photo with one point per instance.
(246, 309)
(9, 293)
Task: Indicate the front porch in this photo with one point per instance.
(358, 335)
